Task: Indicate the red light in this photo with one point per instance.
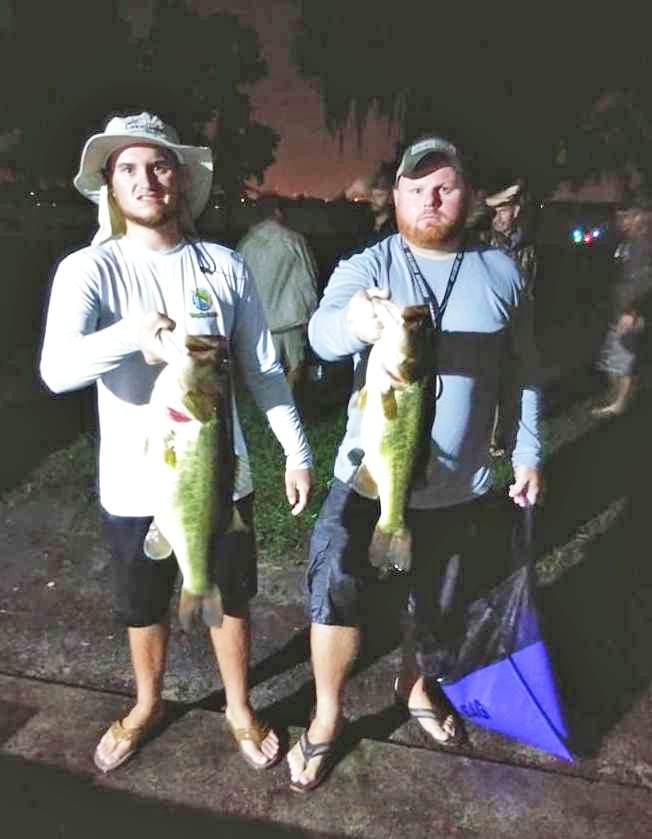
(588, 238)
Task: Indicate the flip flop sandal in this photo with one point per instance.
(310, 750)
(438, 714)
(256, 733)
(132, 738)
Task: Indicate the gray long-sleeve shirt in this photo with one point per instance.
(486, 334)
(99, 296)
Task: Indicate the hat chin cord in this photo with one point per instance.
(111, 222)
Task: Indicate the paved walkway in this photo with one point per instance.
(192, 780)
(65, 675)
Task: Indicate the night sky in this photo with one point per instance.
(309, 161)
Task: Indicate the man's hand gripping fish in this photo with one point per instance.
(397, 404)
(190, 449)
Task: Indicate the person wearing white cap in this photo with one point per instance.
(146, 275)
(477, 303)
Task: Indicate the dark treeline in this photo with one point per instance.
(67, 65)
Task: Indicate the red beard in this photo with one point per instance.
(435, 235)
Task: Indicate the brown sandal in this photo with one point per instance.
(256, 733)
(132, 738)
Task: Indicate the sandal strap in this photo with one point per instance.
(310, 750)
(439, 716)
(255, 732)
(119, 731)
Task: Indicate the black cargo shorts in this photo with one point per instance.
(143, 587)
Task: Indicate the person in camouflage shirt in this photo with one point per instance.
(508, 233)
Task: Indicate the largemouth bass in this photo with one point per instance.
(190, 451)
(397, 403)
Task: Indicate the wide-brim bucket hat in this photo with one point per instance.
(123, 131)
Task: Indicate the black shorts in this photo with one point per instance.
(458, 553)
(143, 587)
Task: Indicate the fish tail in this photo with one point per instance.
(393, 549)
(190, 607)
(212, 609)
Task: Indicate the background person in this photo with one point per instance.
(285, 273)
(508, 234)
(144, 274)
(620, 355)
(447, 513)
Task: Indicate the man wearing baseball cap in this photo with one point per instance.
(145, 276)
(477, 303)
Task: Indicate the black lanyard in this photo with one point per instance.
(436, 309)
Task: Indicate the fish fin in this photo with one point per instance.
(361, 398)
(391, 549)
(364, 482)
(190, 606)
(399, 554)
(237, 525)
(156, 546)
(378, 547)
(212, 609)
(170, 456)
(388, 401)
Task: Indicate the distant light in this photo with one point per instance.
(32, 193)
(577, 235)
(596, 232)
(588, 238)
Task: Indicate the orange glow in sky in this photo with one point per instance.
(308, 159)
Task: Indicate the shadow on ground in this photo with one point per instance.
(597, 616)
(599, 613)
(34, 429)
(40, 800)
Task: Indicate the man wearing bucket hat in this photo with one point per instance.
(146, 276)
(477, 302)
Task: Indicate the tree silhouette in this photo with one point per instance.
(218, 55)
(513, 90)
(63, 66)
(81, 64)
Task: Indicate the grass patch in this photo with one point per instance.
(68, 476)
(279, 533)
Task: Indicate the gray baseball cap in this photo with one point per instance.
(418, 151)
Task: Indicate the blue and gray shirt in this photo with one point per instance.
(486, 344)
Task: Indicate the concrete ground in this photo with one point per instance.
(65, 675)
